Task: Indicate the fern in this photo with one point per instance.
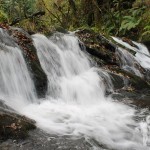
(146, 33)
(129, 23)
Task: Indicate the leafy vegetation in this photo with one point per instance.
(112, 17)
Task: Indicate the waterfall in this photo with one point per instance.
(68, 70)
(76, 104)
(16, 86)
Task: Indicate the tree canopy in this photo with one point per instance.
(113, 17)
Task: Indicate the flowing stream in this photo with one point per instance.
(75, 104)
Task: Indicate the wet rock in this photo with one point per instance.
(61, 30)
(147, 75)
(133, 81)
(138, 99)
(98, 46)
(12, 125)
(41, 141)
(31, 32)
(134, 92)
(106, 43)
(147, 44)
(124, 39)
(117, 80)
(6, 39)
(142, 103)
(4, 108)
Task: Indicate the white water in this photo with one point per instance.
(128, 62)
(16, 86)
(142, 55)
(76, 103)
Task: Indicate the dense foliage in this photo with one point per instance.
(112, 17)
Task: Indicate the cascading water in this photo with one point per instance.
(76, 104)
(67, 69)
(16, 87)
(130, 62)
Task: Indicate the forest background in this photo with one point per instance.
(130, 18)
